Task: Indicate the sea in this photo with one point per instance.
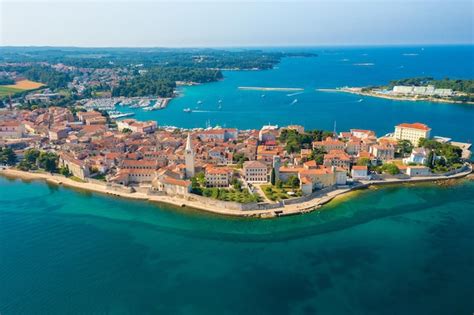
(224, 104)
(405, 249)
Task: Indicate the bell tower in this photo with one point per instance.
(189, 158)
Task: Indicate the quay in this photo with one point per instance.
(290, 207)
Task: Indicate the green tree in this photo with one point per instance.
(429, 159)
(293, 181)
(195, 187)
(272, 177)
(64, 170)
(31, 155)
(236, 184)
(405, 147)
(279, 183)
(48, 161)
(363, 161)
(317, 155)
(201, 179)
(390, 168)
(7, 156)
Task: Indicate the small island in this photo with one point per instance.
(419, 89)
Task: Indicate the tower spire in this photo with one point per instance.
(189, 158)
(189, 144)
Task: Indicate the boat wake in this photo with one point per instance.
(294, 94)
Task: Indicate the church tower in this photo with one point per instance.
(189, 158)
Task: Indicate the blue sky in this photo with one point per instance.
(235, 23)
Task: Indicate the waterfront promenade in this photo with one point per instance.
(316, 201)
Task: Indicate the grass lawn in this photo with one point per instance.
(18, 87)
(6, 90)
(276, 194)
(231, 195)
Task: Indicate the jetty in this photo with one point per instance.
(275, 89)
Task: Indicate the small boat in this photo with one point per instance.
(263, 95)
(294, 101)
(360, 101)
(187, 110)
(220, 106)
(199, 102)
(220, 101)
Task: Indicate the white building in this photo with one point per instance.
(417, 156)
(360, 172)
(412, 132)
(429, 90)
(418, 171)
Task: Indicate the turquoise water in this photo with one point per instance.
(334, 67)
(398, 250)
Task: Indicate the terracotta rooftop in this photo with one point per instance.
(417, 125)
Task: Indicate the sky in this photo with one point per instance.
(224, 23)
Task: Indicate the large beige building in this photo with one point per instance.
(11, 129)
(255, 172)
(412, 132)
(218, 176)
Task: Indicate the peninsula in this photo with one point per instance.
(418, 89)
(268, 172)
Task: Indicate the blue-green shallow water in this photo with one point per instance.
(334, 67)
(397, 250)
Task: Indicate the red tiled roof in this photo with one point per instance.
(417, 125)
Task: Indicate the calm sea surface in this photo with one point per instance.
(396, 250)
(403, 250)
(334, 67)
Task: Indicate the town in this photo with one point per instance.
(271, 171)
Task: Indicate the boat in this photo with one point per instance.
(220, 101)
(294, 101)
(199, 102)
(187, 110)
(220, 106)
(263, 95)
(360, 101)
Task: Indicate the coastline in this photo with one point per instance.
(391, 97)
(312, 204)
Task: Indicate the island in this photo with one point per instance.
(418, 89)
(269, 172)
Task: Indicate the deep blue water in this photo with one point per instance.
(334, 67)
(397, 250)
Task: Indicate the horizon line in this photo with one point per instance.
(246, 46)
